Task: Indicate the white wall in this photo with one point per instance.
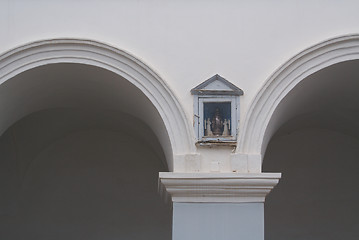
(187, 42)
(70, 174)
(213, 221)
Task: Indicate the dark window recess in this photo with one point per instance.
(217, 119)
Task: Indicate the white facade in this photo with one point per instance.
(135, 62)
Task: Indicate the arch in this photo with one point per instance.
(257, 131)
(101, 55)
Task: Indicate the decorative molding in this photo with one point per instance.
(254, 135)
(98, 54)
(217, 187)
(232, 89)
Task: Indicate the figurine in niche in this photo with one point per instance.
(217, 123)
(226, 127)
(207, 127)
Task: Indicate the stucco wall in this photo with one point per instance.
(187, 42)
(212, 221)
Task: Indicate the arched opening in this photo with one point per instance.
(315, 146)
(80, 150)
(164, 115)
(261, 121)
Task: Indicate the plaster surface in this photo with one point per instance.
(188, 42)
(213, 221)
(183, 43)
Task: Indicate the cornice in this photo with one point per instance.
(217, 187)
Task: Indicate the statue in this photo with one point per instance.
(207, 127)
(217, 123)
(226, 125)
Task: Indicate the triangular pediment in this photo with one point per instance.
(216, 85)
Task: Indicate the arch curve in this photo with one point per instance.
(101, 55)
(257, 131)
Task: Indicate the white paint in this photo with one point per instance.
(186, 42)
(213, 221)
(218, 154)
(176, 125)
(217, 187)
(217, 85)
(256, 131)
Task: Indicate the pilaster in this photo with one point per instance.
(212, 206)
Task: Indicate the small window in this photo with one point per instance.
(216, 104)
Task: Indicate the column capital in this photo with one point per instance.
(217, 187)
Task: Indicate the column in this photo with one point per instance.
(217, 206)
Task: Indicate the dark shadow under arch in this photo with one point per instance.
(316, 150)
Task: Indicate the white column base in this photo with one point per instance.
(218, 221)
(217, 187)
(212, 206)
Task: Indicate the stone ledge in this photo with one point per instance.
(217, 187)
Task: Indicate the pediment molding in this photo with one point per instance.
(217, 85)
